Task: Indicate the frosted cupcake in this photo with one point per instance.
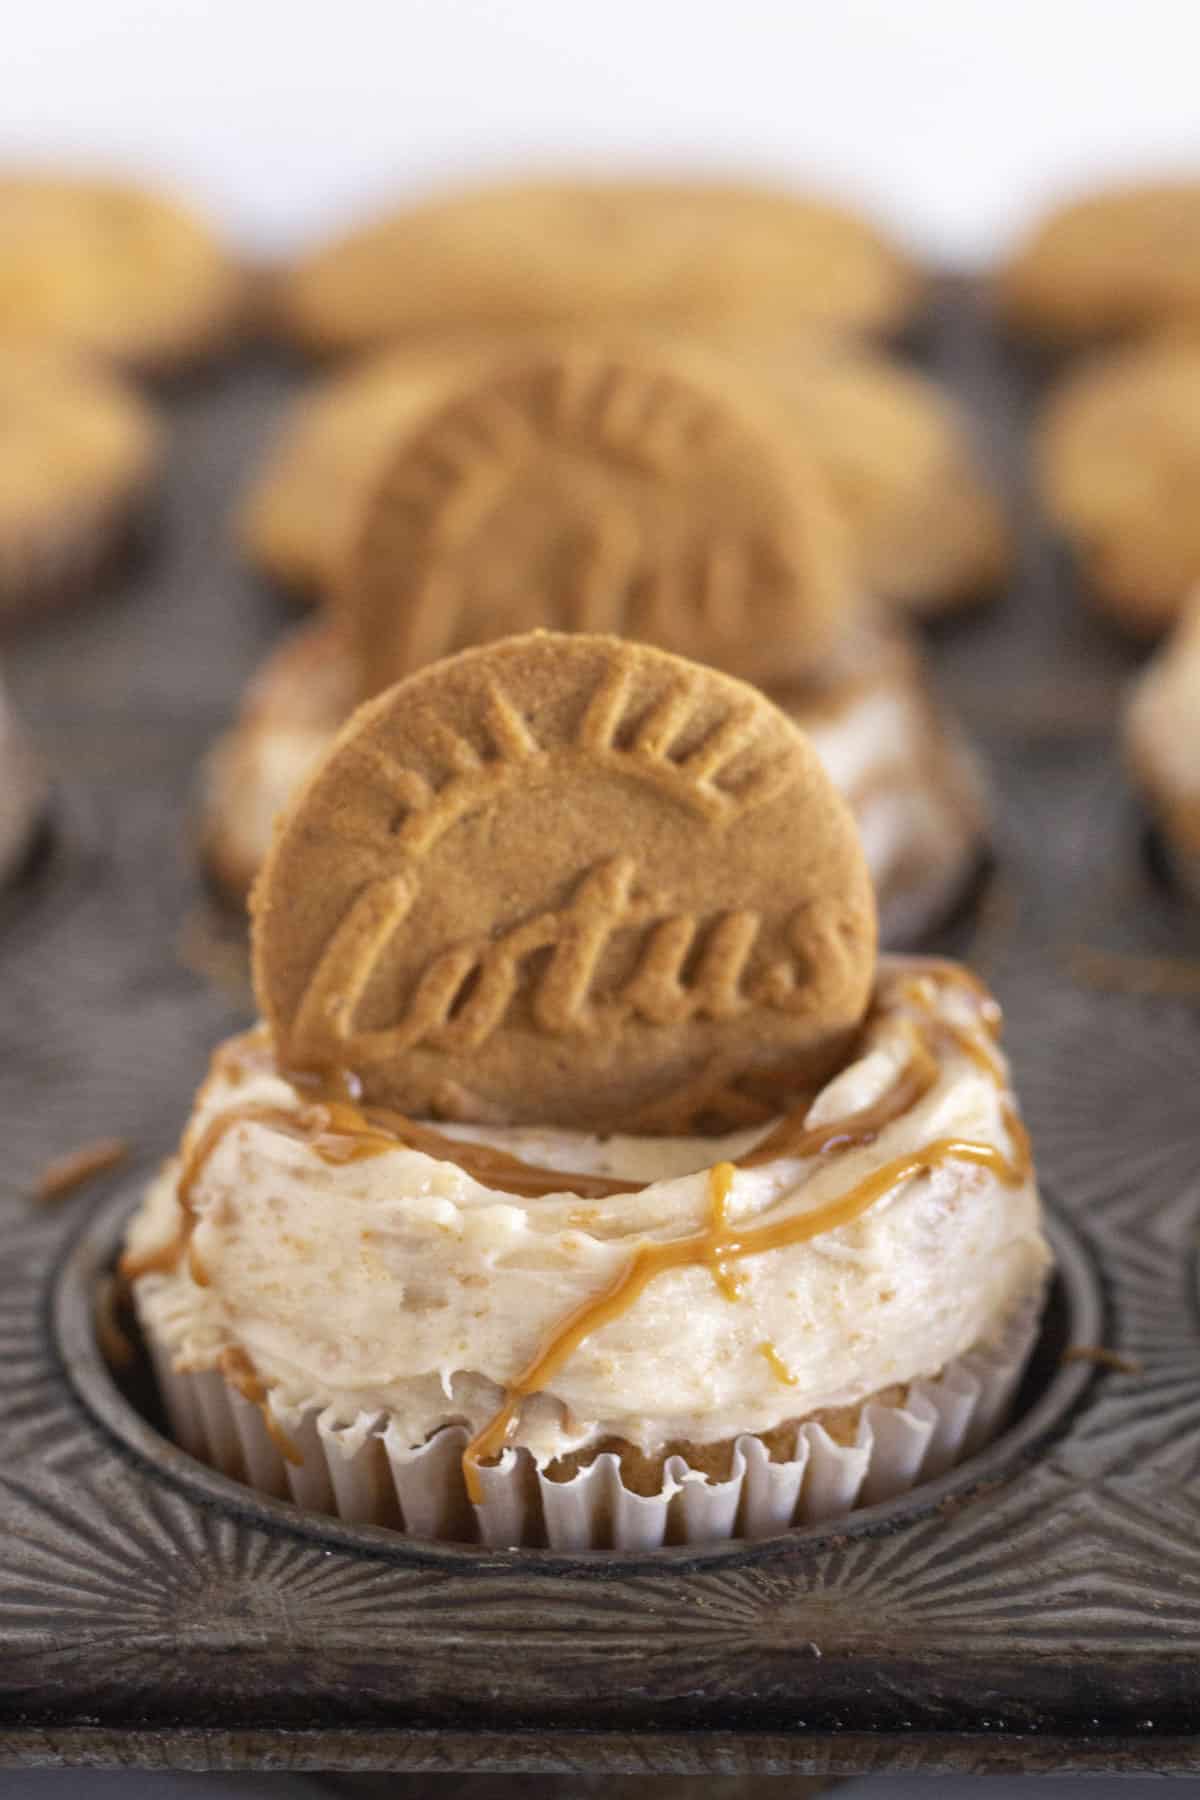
(588, 1182)
(640, 488)
(79, 456)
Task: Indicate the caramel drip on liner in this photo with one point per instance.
(238, 1370)
(339, 1131)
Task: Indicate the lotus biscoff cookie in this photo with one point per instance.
(600, 252)
(79, 452)
(584, 487)
(927, 528)
(113, 269)
(1124, 260)
(567, 879)
(1118, 461)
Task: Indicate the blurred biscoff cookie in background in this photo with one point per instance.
(592, 252)
(79, 454)
(1120, 261)
(1117, 454)
(112, 268)
(635, 486)
(927, 527)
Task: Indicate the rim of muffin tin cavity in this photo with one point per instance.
(1049, 1392)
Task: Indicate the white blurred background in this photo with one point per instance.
(955, 118)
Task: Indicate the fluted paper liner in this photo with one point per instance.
(365, 1473)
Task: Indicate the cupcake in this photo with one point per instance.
(589, 1181)
(646, 487)
(1117, 459)
(548, 253)
(79, 454)
(110, 269)
(1118, 262)
(1162, 739)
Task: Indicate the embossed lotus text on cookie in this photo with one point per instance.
(588, 490)
(567, 880)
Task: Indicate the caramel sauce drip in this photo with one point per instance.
(340, 1131)
(777, 1365)
(238, 1370)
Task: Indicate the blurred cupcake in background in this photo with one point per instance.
(551, 483)
(1120, 261)
(597, 253)
(926, 526)
(79, 457)
(113, 269)
(1117, 452)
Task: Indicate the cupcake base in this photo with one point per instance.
(810, 1472)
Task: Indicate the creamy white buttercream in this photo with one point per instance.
(402, 1284)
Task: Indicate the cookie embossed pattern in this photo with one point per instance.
(1037, 1610)
(435, 813)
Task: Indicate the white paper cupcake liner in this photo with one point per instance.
(365, 1472)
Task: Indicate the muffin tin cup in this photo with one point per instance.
(365, 1473)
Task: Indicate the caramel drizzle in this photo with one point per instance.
(776, 1364)
(718, 1245)
(340, 1131)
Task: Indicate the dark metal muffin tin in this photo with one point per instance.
(1039, 1608)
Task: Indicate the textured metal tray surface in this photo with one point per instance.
(1046, 1613)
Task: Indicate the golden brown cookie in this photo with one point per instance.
(588, 488)
(895, 451)
(1125, 259)
(78, 454)
(110, 268)
(1118, 461)
(567, 880)
(599, 252)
